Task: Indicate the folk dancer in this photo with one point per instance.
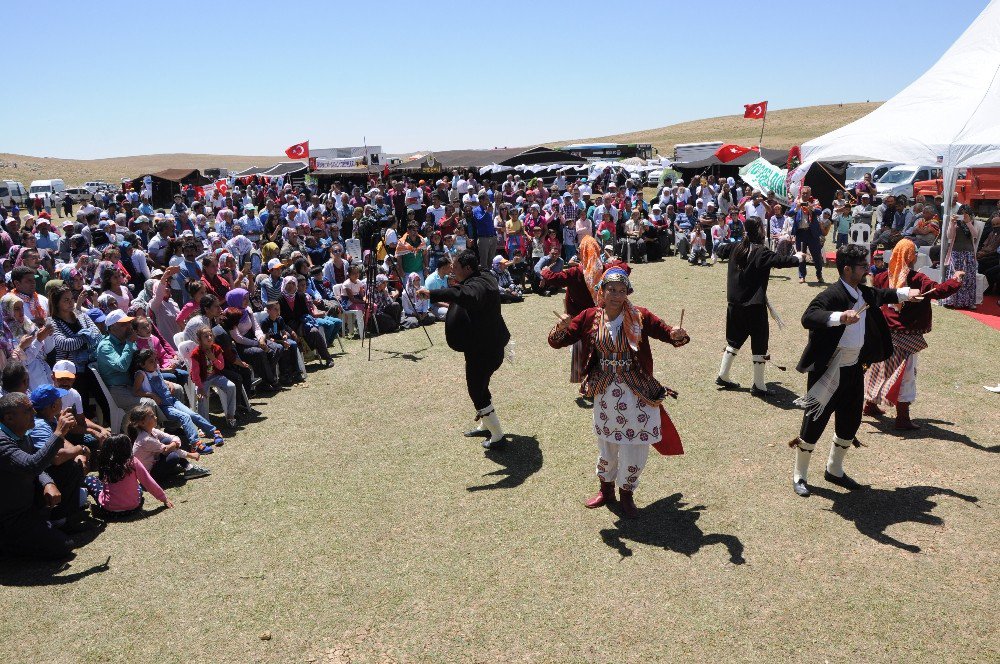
(846, 331)
(628, 401)
(894, 381)
(746, 291)
(475, 327)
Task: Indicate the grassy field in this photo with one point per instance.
(785, 127)
(355, 524)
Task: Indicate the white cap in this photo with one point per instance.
(115, 317)
(64, 367)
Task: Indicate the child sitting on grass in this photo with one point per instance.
(120, 481)
(147, 381)
(157, 450)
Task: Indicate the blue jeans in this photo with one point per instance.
(179, 376)
(568, 251)
(190, 421)
(331, 327)
(221, 382)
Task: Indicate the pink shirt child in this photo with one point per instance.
(123, 496)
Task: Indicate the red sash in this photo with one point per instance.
(670, 443)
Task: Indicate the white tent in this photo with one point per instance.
(949, 116)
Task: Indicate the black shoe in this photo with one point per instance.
(801, 488)
(844, 481)
(757, 392)
(81, 522)
(726, 384)
(477, 433)
(819, 279)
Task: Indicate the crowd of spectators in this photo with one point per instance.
(118, 326)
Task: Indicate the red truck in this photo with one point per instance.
(979, 188)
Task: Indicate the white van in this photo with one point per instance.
(48, 190)
(899, 180)
(12, 192)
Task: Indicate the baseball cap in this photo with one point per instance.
(274, 264)
(117, 316)
(499, 260)
(64, 369)
(96, 315)
(46, 395)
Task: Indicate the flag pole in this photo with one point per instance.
(760, 143)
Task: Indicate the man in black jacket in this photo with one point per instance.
(746, 291)
(846, 332)
(27, 493)
(475, 327)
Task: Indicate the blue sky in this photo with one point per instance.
(113, 78)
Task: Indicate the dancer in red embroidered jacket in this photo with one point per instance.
(618, 375)
(894, 381)
(581, 288)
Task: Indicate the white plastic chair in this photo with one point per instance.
(114, 411)
(353, 320)
(184, 350)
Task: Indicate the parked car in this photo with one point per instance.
(78, 194)
(899, 180)
(856, 172)
(12, 192)
(95, 186)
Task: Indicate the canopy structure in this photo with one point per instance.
(947, 116)
(447, 160)
(164, 184)
(776, 157)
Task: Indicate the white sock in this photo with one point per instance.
(803, 453)
(758, 372)
(835, 464)
(728, 357)
(493, 424)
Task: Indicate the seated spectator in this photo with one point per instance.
(927, 229)
(120, 481)
(207, 364)
(295, 312)
(148, 382)
(278, 333)
(27, 492)
(28, 343)
(86, 432)
(331, 326)
(111, 282)
(439, 279)
(167, 359)
(508, 291)
(114, 362)
(196, 290)
(160, 453)
(416, 310)
(554, 262)
(250, 342)
(69, 464)
(388, 311)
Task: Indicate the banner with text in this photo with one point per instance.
(765, 176)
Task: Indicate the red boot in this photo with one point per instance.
(903, 421)
(605, 496)
(629, 510)
(872, 410)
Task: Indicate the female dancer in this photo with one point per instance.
(628, 410)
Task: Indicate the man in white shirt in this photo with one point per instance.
(846, 331)
(755, 206)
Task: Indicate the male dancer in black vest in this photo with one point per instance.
(846, 332)
(746, 290)
(475, 327)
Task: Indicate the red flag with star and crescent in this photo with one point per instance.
(755, 111)
(298, 151)
(729, 151)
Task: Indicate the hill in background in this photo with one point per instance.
(77, 171)
(784, 128)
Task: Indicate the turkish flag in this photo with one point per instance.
(755, 111)
(298, 151)
(728, 152)
(222, 186)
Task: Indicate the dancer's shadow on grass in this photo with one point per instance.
(873, 511)
(18, 572)
(670, 524)
(412, 356)
(781, 397)
(929, 430)
(520, 456)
